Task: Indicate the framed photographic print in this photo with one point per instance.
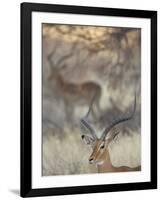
(88, 99)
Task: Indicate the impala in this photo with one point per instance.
(77, 93)
(100, 154)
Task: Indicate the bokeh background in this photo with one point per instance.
(79, 61)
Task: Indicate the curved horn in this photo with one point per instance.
(85, 123)
(119, 120)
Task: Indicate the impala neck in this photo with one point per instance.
(106, 166)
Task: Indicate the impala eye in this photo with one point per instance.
(102, 146)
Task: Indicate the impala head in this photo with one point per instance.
(98, 153)
(99, 145)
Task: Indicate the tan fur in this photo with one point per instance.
(101, 158)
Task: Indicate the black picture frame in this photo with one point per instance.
(26, 99)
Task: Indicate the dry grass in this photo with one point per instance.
(74, 58)
(67, 154)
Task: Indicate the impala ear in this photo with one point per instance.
(111, 136)
(87, 139)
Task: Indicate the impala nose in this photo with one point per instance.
(90, 160)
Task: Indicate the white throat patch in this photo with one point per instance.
(100, 163)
